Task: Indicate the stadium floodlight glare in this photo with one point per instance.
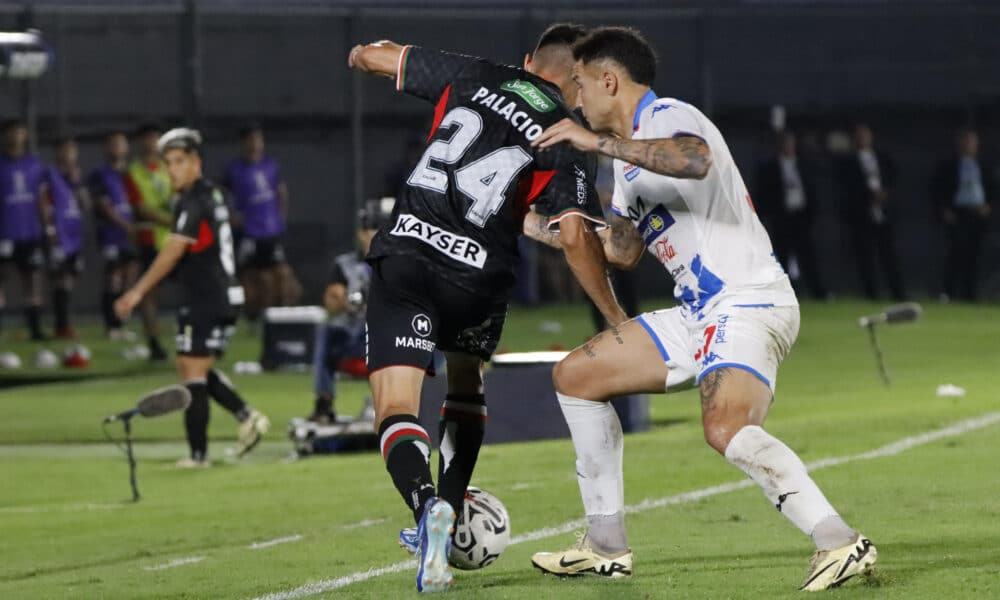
(905, 312)
(24, 55)
(156, 403)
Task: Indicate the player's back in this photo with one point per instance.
(207, 271)
(464, 202)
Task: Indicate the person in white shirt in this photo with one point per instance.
(680, 195)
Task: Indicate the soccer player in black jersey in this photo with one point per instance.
(443, 267)
(200, 250)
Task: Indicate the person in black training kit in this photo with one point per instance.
(443, 269)
(200, 248)
(786, 201)
(867, 177)
(963, 190)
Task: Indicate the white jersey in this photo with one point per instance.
(705, 232)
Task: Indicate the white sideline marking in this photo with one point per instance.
(282, 540)
(956, 429)
(55, 507)
(364, 523)
(175, 563)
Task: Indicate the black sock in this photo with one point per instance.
(111, 320)
(34, 319)
(406, 449)
(324, 406)
(156, 351)
(460, 435)
(196, 419)
(60, 306)
(220, 388)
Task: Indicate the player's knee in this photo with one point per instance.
(719, 434)
(569, 378)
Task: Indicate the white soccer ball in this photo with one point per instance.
(482, 531)
(9, 360)
(46, 359)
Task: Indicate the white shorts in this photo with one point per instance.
(755, 338)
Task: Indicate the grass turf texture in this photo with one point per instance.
(68, 531)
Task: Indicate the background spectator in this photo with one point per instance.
(963, 190)
(786, 201)
(114, 228)
(66, 205)
(260, 198)
(150, 195)
(867, 176)
(21, 232)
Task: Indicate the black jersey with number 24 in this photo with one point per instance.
(207, 271)
(464, 203)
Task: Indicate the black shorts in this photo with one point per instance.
(117, 256)
(147, 254)
(411, 312)
(27, 256)
(262, 253)
(203, 333)
(66, 264)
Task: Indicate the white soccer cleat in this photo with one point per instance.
(831, 568)
(189, 463)
(581, 559)
(250, 431)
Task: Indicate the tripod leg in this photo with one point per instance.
(131, 460)
(879, 359)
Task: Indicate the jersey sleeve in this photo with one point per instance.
(571, 189)
(669, 119)
(425, 73)
(189, 217)
(619, 204)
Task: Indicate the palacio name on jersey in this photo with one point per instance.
(507, 109)
(458, 247)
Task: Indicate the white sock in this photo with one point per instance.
(784, 479)
(597, 437)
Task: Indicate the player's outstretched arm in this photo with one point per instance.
(586, 259)
(165, 261)
(681, 156)
(378, 58)
(623, 246)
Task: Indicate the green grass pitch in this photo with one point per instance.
(68, 531)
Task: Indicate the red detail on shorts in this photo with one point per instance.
(709, 334)
(439, 111)
(205, 238)
(355, 367)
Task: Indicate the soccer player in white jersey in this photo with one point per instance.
(679, 194)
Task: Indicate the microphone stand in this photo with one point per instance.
(882, 370)
(127, 423)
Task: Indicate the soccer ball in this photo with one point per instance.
(46, 359)
(482, 531)
(9, 360)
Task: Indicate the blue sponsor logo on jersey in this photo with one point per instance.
(658, 108)
(654, 223)
(708, 286)
(631, 172)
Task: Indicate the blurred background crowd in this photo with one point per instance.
(874, 176)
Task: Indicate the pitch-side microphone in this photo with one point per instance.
(897, 313)
(156, 403)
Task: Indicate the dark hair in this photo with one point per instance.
(560, 34)
(625, 46)
(147, 128)
(62, 140)
(113, 132)
(12, 123)
(249, 129)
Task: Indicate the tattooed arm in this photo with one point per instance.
(536, 227)
(623, 246)
(682, 156)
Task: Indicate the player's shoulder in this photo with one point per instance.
(667, 109)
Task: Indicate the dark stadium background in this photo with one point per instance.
(914, 70)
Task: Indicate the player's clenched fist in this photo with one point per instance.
(379, 58)
(570, 131)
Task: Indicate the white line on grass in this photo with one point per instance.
(275, 542)
(364, 523)
(956, 429)
(177, 562)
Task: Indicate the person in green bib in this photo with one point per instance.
(151, 198)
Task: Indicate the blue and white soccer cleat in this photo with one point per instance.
(409, 541)
(434, 536)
